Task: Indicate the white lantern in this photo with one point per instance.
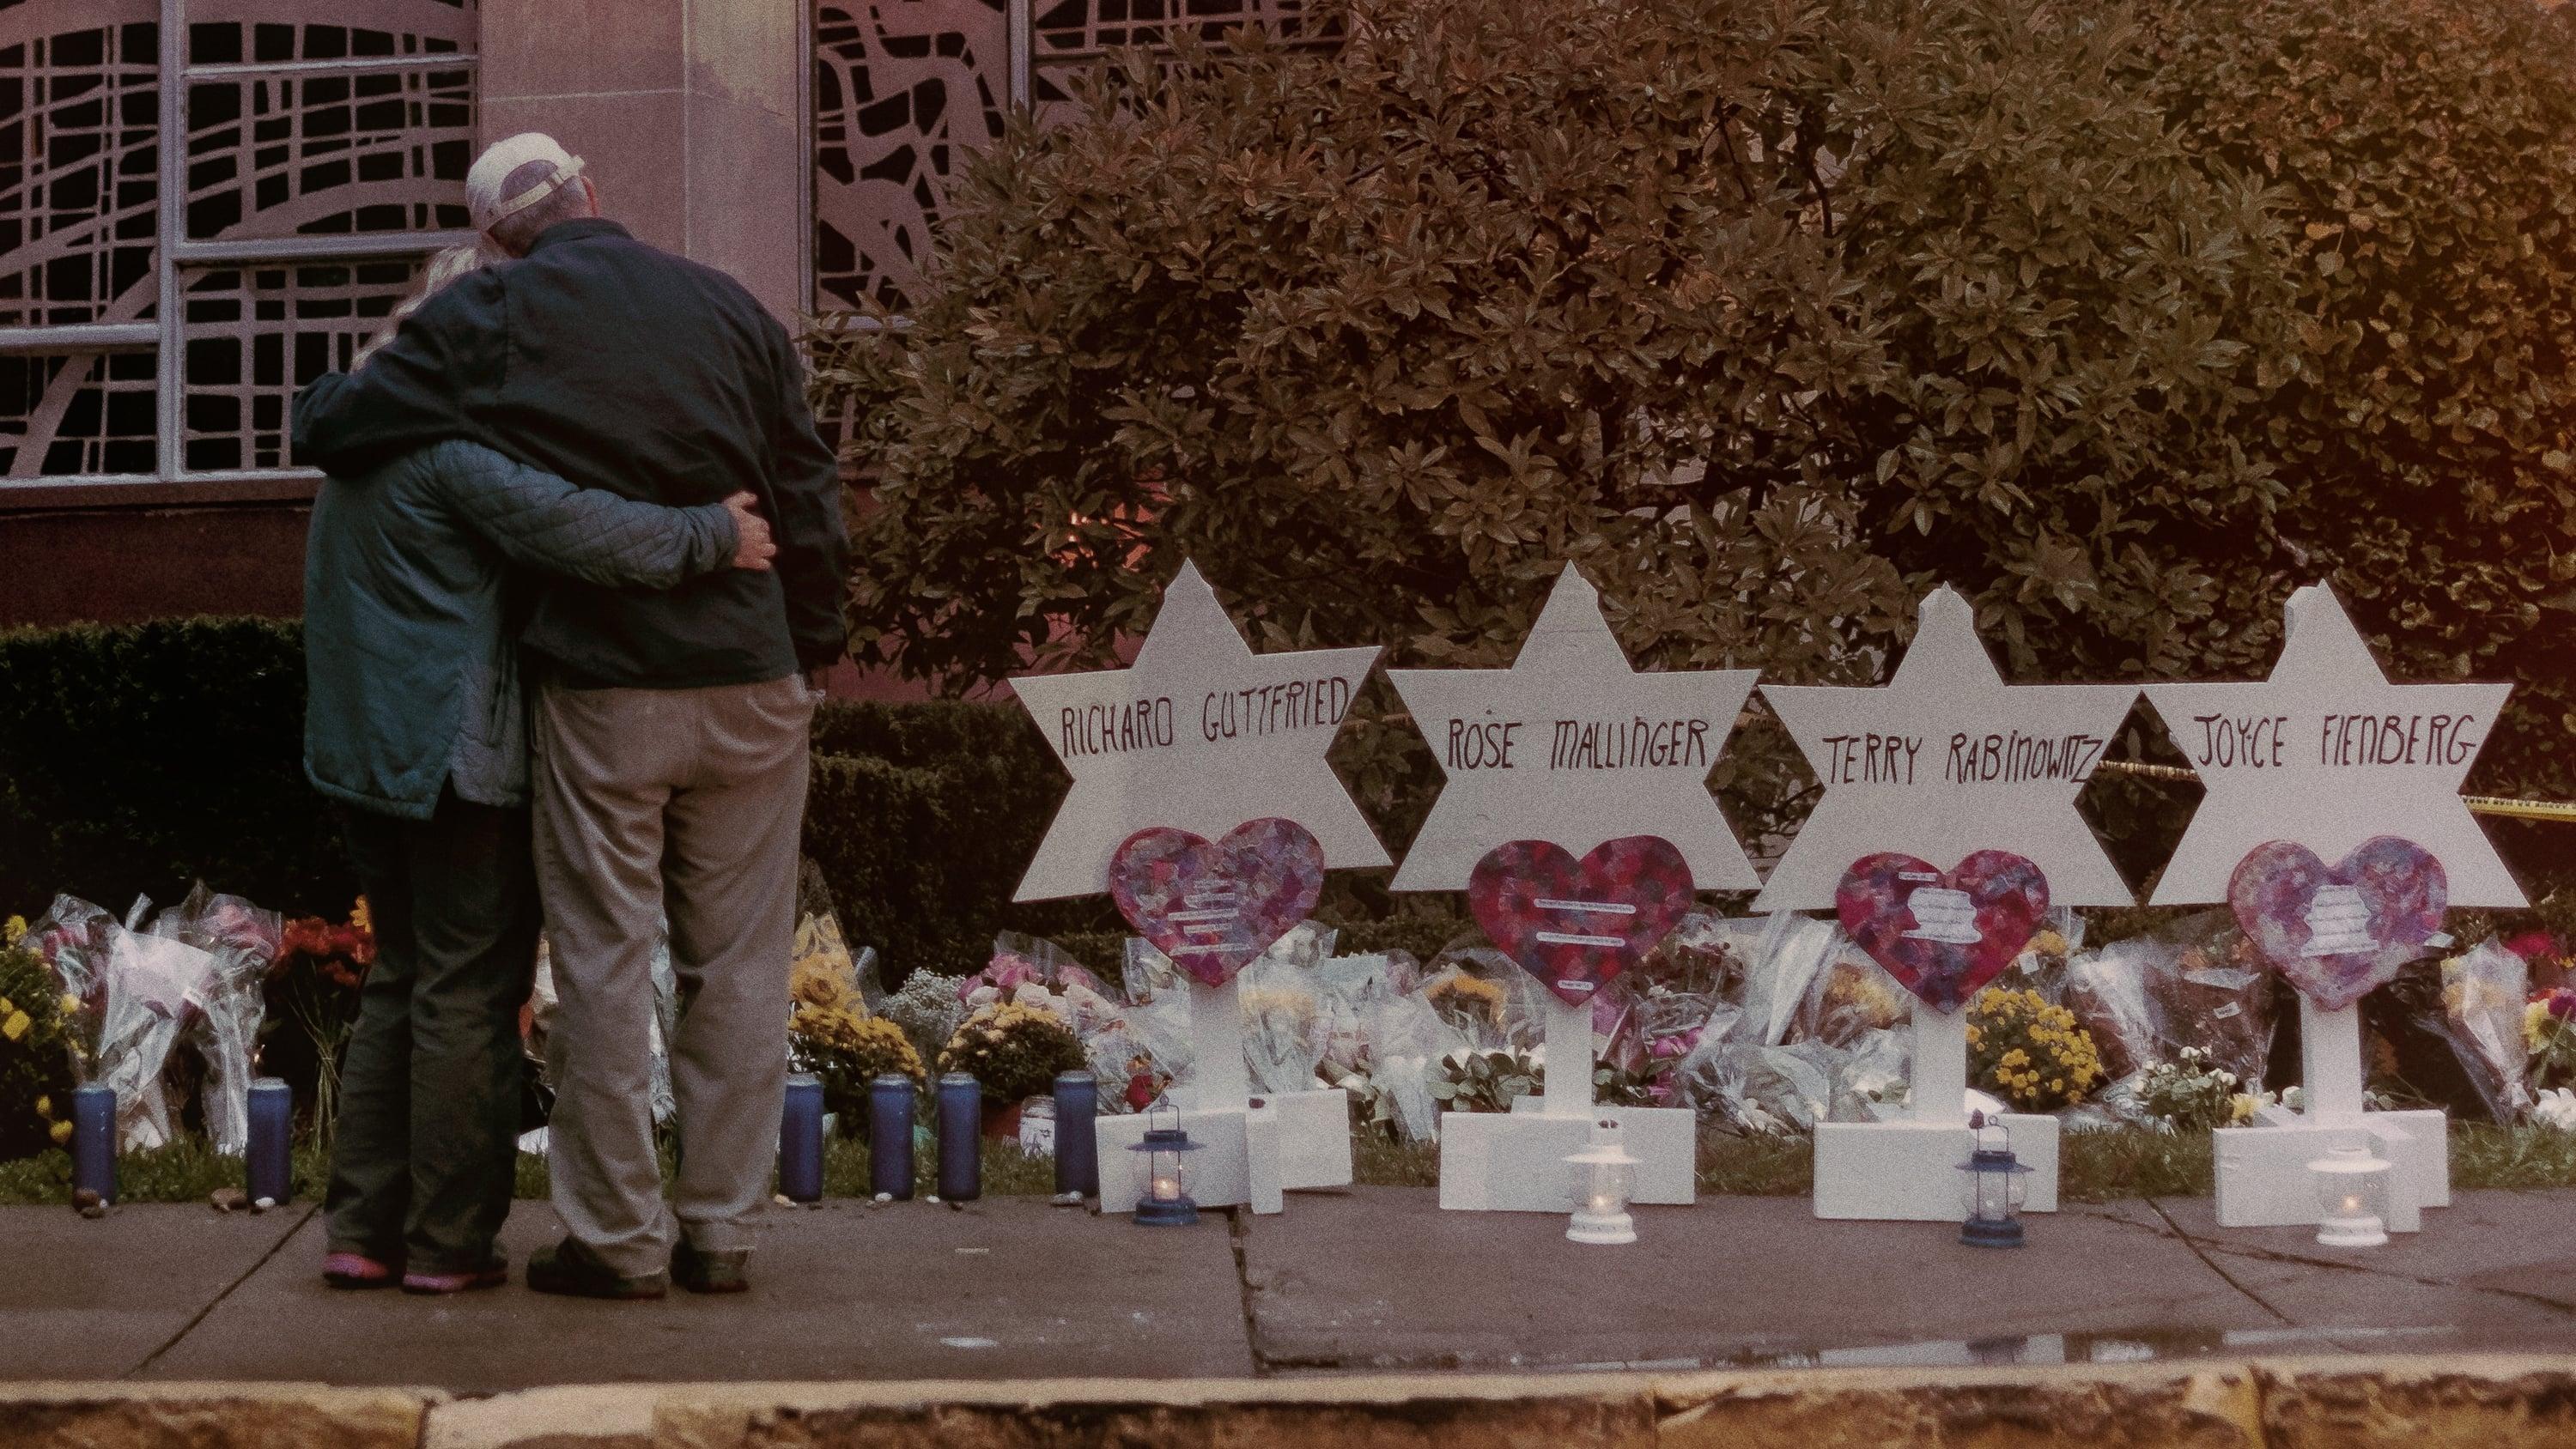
(2352, 1198)
(1604, 1176)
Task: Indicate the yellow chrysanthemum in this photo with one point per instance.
(15, 1025)
(13, 931)
(62, 1133)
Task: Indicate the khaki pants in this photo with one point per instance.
(688, 800)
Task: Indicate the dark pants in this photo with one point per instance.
(427, 1149)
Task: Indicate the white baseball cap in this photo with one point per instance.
(501, 162)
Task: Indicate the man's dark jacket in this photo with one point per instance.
(621, 367)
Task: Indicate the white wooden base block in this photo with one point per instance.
(2264, 1182)
(1237, 1163)
(1908, 1171)
(1314, 1137)
(2263, 1178)
(1515, 1161)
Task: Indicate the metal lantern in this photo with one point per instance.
(1166, 1201)
(1604, 1178)
(2352, 1198)
(1992, 1190)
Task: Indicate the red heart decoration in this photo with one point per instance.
(1943, 935)
(2337, 931)
(1215, 907)
(1574, 925)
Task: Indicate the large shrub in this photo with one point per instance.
(1771, 317)
(1716, 298)
(2419, 152)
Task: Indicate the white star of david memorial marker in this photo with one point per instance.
(1943, 760)
(2327, 753)
(1200, 734)
(1946, 759)
(1574, 746)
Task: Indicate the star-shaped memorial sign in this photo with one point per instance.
(1200, 734)
(1944, 760)
(1573, 746)
(2327, 754)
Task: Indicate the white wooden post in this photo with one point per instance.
(1218, 1077)
(1569, 1058)
(1940, 1065)
(2330, 1064)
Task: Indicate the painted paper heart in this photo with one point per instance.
(1576, 924)
(2337, 931)
(1943, 934)
(1214, 907)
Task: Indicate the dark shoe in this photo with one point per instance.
(571, 1269)
(439, 1285)
(710, 1272)
(342, 1268)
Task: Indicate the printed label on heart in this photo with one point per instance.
(2337, 931)
(1943, 934)
(1576, 924)
(1214, 907)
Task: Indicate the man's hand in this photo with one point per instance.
(753, 548)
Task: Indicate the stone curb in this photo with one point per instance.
(2464, 1402)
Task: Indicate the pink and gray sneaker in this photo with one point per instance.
(441, 1284)
(343, 1269)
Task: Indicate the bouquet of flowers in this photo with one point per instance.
(821, 972)
(2197, 982)
(240, 941)
(1013, 1051)
(926, 1008)
(2029, 1053)
(2192, 1093)
(320, 968)
(2484, 992)
(38, 1045)
(1489, 1081)
(849, 1051)
(2549, 1038)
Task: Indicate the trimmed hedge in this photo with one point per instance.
(135, 760)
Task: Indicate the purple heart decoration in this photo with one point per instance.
(1943, 934)
(1577, 924)
(1214, 907)
(2337, 931)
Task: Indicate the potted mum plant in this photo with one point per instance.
(1014, 1052)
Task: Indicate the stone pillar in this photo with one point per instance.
(690, 114)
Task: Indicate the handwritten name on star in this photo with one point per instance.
(2336, 741)
(1575, 744)
(1140, 725)
(2008, 757)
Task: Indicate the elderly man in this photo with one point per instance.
(670, 728)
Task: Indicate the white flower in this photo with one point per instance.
(2556, 1108)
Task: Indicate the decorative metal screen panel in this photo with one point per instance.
(903, 91)
(79, 144)
(325, 143)
(304, 153)
(1068, 29)
(906, 90)
(256, 334)
(88, 414)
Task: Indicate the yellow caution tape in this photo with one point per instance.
(2482, 804)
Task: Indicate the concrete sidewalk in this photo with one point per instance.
(1372, 1279)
